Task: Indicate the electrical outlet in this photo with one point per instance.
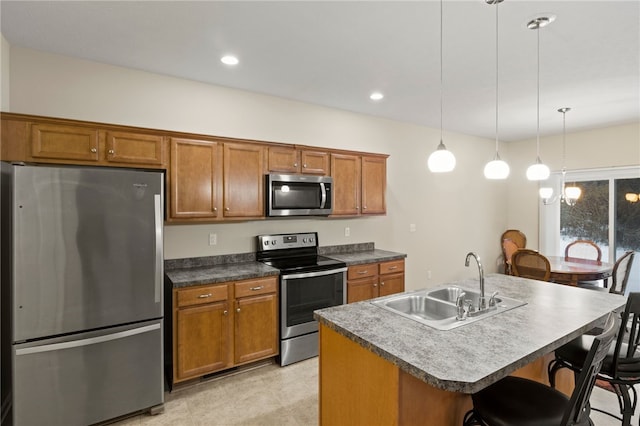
(347, 231)
(213, 239)
(412, 227)
(429, 274)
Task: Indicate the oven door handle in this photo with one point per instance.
(313, 274)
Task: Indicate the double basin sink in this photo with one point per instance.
(437, 307)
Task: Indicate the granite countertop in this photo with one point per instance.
(217, 269)
(468, 358)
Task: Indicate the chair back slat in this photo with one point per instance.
(578, 410)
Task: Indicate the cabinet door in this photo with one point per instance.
(60, 142)
(391, 283)
(364, 289)
(284, 160)
(314, 162)
(374, 181)
(345, 170)
(137, 148)
(256, 327)
(243, 180)
(203, 338)
(196, 178)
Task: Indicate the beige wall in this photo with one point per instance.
(614, 146)
(453, 213)
(5, 50)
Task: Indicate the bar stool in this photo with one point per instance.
(523, 402)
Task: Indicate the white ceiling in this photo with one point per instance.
(335, 53)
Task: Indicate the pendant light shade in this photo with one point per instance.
(441, 160)
(538, 171)
(496, 168)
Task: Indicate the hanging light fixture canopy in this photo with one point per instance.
(497, 168)
(538, 170)
(441, 160)
(568, 194)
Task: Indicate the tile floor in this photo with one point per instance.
(272, 396)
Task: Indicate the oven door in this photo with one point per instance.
(303, 293)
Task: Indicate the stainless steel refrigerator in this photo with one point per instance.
(82, 267)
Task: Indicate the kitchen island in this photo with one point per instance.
(377, 367)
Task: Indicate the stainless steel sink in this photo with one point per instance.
(437, 307)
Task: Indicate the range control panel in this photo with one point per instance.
(287, 241)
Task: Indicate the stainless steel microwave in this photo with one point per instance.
(299, 195)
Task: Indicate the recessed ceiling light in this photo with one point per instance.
(229, 60)
(376, 96)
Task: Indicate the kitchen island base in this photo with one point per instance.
(359, 387)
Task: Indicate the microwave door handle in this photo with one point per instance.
(323, 198)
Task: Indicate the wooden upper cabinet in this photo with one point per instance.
(291, 160)
(374, 183)
(195, 181)
(54, 141)
(243, 180)
(137, 148)
(345, 170)
(80, 144)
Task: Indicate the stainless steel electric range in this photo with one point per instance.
(308, 281)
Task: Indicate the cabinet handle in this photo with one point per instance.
(375, 285)
(391, 268)
(260, 287)
(238, 310)
(225, 312)
(382, 283)
(204, 296)
(364, 208)
(215, 209)
(366, 271)
(111, 151)
(226, 209)
(94, 150)
(304, 165)
(295, 164)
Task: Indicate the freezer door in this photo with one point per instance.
(92, 378)
(87, 249)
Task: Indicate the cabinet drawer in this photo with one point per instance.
(201, 295)
(255, 287)
(392, 267)
(362, 271)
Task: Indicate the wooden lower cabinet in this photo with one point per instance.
(219, 326)
(371, 280)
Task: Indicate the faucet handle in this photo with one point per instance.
(461, 312)
(492, 299)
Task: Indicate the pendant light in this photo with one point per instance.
(568, 194)
(497, 168)
(441, 160)
(538, 170)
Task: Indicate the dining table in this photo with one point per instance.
(571, 270)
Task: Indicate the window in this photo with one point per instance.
(607, 213)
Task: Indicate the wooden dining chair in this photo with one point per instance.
(583, 249)
(619, 276)
(529, 263)
(510, 241)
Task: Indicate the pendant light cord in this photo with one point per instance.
(497, 79)
(538, 103)
(441, 32)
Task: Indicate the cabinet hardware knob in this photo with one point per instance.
(94, 150)
(391, 268)
(225, 312)
(238, 310)
(365, 207)
(226, 209)
(363, 272)
(111, 151)
(260, 287)
(215, 209)
(382, 283)
(375, 285)
(295, 164)
(203, 296)
(304, 165)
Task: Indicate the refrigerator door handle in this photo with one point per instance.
(158, 225)
(86, 342)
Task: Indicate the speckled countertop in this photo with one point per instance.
(216, 269)
(471, 357)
